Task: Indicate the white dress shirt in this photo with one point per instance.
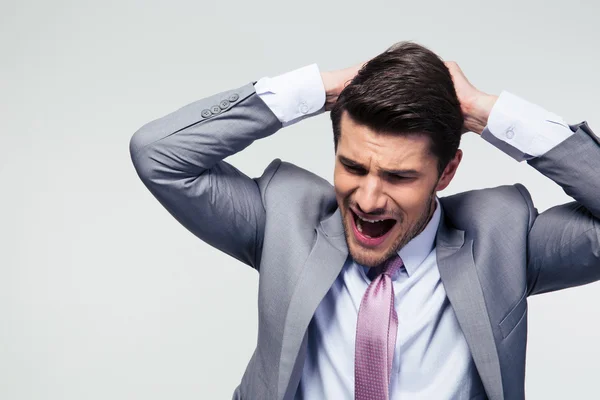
(431, 357)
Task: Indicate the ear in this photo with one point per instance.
(449, 171)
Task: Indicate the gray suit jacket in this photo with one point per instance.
(493, 248)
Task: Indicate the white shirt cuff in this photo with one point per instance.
(523, 130)
(294, 95)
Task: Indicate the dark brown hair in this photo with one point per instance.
(406, 89)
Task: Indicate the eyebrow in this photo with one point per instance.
(352, 163)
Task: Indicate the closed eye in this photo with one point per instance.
(398, 178)
(354, 170)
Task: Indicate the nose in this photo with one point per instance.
(369, 197)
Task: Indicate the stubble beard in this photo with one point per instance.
(372, 261)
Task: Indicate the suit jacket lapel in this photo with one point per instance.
(459, 276)
(322, 267)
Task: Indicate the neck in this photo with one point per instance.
(431, 211)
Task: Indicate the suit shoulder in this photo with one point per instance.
(489, 206)
(292, 186)
(291, 174)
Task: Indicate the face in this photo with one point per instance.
(385, 187)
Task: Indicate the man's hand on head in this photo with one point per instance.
(335, 81)
(475, 104)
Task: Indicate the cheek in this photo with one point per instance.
(343, 183)
(411, 199)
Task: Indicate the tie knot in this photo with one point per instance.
(392, 265)
(388, 267)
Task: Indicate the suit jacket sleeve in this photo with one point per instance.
(179, 158)
(564, 241)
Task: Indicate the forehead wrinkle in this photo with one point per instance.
(408, 159)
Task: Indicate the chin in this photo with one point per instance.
(366, 259)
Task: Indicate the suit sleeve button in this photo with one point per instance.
(233, 97)
(224, 104)
(206, 113)
(215, 109)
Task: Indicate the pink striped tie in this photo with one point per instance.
(376, 335)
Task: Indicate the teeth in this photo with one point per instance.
(359, 225)
(366, 220)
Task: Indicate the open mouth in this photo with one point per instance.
(371, 232)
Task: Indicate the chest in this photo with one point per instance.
(428, 340)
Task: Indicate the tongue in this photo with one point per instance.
(376, 229)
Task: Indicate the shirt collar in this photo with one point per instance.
(415, 251)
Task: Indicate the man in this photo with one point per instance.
(375, 288)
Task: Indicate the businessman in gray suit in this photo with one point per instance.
(375, 287)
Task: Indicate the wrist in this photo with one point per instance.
(333, 87)
(329, 82)
(335, 81)
(477, 112)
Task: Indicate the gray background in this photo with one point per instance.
(104, 296)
